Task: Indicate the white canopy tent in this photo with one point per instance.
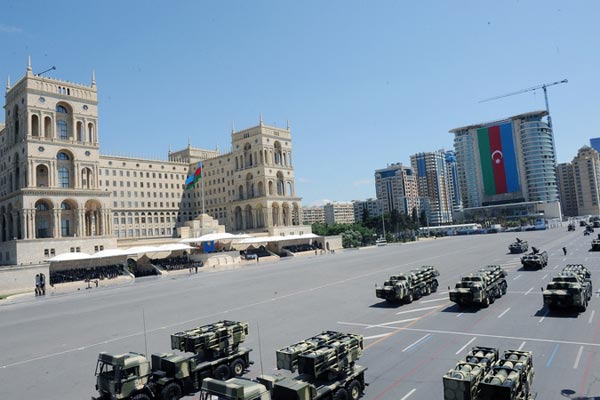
(71, 256)
(216, 237)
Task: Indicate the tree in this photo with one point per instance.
(415, 218)
(365, 214)
(423, 219)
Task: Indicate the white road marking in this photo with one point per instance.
(376, 336)
(543, 317)
(431, 301)
(586, 259)
(516, 277)
(521, 346)
(556, 266)
(417, 309)
(591, 317)
(466, 344)
(544, 277)
(565, 259)
(529, 291)
(504, 312)
(408, 394)
(576, 364)
(458, 315)
(393, 322)
(416, 343)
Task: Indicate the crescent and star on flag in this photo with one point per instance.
(497, 156)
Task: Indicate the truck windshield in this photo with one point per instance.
(105, 369)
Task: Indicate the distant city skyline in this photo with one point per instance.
(361, 91)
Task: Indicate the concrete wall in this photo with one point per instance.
(21, 279)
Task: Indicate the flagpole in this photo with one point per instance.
(202, 189)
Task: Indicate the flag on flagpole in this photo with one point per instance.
(192, 179)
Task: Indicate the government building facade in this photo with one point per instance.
(59, 194)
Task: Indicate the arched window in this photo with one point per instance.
(65, 206)
(63, 177)
(62, 129)
(62, 156)
(61, 109)
(42, 207)
(35, 125)
(90, 132)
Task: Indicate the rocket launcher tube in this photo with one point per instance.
(220, 338)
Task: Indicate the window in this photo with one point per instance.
(62, 156)
(63, 177)
(62, 129)
(64, 227)
(61, 109)
(42, 207)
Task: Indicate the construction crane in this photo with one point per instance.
(544, 87)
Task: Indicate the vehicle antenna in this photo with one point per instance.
(259, 349)
(145, 339)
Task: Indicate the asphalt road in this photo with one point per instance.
(49, 346)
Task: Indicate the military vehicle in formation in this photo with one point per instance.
(483, 376)
(480, 288)
(518, 246)
(572, 287)
(596, 243)
(571, 227)
(216, 353)
(409, 286)
(326, 367)
(535, 259)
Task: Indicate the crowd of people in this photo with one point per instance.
(174, 263)
(297, 248)
(86, 274)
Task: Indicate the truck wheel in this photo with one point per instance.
(434, 286)
(340, 394)
(237, 367)
(222, 372)
(409, 298)
(486, 302)
(140, 396)
(583, 307)
(504, 288)
(171, 392)
(354, 390)
(427, 289)
(418, 294)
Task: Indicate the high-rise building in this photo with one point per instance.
(508, 161)
(432, 182)
(59, 194)
(595, 144)
(313, 215)
(396, 187)
(452, 178)
(567, 189)
(586, 172)
(372, 207)
(339, 213)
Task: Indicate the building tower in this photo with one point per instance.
(586, 169)
(396, 187)
(432, 181)
(567, 189)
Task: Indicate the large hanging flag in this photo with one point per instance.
(192, 179)
(498, 159)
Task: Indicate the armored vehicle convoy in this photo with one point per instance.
(518, 246)
(409, 286)
(570, 288)
(326, 367)
(480, 288)
(170, 376)
(485, 377)
(596, 243)
(535, 259)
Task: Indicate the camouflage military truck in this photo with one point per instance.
(326, 367)
(462, 382)
(409, 286)
(596, 243)
(216, 353)
(571, 227)
(510, 378)
(535, 259)
(518, 246)
(481, 288)
(570, 288)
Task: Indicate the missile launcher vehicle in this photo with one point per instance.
(535, 259)
(571, 227)
(596, 243)
(462, 382)
(572, 287)
(409, 286)
(326, 367)
(481, 288)
(518, 246)
(216, 353)
(510, 378)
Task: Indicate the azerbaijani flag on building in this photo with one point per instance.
(498, 159)
(192, 179)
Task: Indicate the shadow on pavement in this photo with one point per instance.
(565, 313)
(385, 304)
(455, 308)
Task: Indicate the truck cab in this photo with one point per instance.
(120, 376)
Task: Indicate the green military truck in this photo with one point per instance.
(409, 286)
(596, 243)
(481, 288)
(216, 353)
(572, 287)
(518, 246)
(535, 260)
(462, 382)
(326, 367)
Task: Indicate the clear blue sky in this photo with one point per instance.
(364, 84)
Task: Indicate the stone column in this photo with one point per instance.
(32, 223)
(57, 230)
(76, 180)
(15, 222)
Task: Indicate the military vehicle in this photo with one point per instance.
(596, 243)
(326, 367)
(571, 227)
(518, 246)
(481, 288)
(409, 286)
(462, 382)
(535, 259)
(588, 230)
(572, 287)
(510, 378)
(216, 353)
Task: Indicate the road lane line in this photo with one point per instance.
(578, 357)
(408, 394)
(504, 312)
(543, 317)
(466, 344)
(564, 259)
(377, 336)
(552, 355)
(431, 301)
(544, 277)
(417, 342)
(529, 291)
(416, 309)
(516, 277)
(521, 346)
(591, 317)
(394, 322)
(556, 266)
(458, 315)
